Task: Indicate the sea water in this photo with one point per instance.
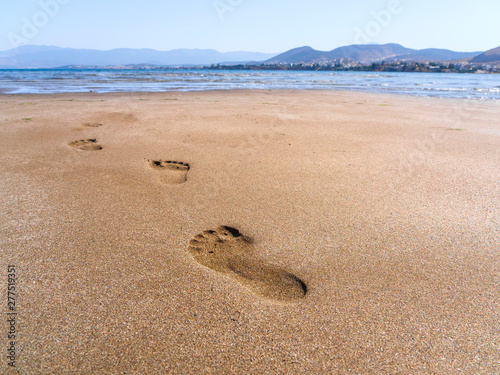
(50, 81)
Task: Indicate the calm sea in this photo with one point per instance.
(467, 86)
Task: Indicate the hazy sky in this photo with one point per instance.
(250, 25)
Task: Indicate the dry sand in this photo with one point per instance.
(385, 208)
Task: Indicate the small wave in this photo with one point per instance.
(444, 89)
(487, 90)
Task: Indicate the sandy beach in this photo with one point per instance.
(251, 232)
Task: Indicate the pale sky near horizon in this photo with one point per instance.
(250, 25)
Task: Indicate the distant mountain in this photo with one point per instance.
(51, 57)
(299, 55)
(492, 56)
(435, 54)
(360, 53)
(368, 53)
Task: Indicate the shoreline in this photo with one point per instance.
(229, 69)
(241, 91)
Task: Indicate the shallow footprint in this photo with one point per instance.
(91, 125)
(87, 125)
(86, 145)
(171, 172)
(227, 251)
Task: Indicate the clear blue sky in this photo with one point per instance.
(250, 25)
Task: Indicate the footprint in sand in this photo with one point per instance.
(91, 125)
(227, 251)
(171, 172)
(88, 125)
(86, 145)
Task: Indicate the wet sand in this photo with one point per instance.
(251, 232)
